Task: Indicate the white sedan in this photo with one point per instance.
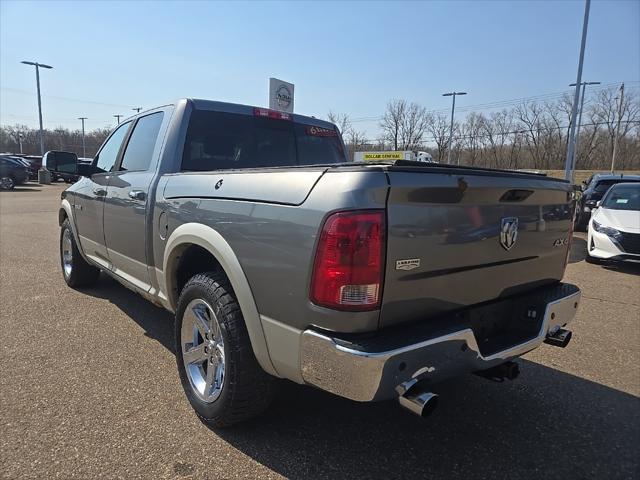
(614, 228)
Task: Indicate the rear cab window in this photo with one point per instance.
(220, 140)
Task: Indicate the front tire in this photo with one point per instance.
(219, 372)
(7, 182)
(75, 269)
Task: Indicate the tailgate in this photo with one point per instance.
(456, 240)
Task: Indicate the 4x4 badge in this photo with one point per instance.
(508, 232)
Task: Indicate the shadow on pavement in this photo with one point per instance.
(623, 267)
(24, 188)
(545, 424)
(156, 322)
(578, 250)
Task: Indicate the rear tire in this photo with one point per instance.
(75, 269)
(208, 319)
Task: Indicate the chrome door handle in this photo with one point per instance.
(137, 195)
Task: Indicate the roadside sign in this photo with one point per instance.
(375, 156)
(280, 95)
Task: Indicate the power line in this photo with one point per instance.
(68, 99)
(504, 103)
(520, 131)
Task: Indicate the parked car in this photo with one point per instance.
(594, 190)
(282, 259)
(61, 165)
(35, 164)
(12, 173)
(614, 229)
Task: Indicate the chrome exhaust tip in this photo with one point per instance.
(415, 399)
(559, 338)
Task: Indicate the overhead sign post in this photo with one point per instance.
(280, 95)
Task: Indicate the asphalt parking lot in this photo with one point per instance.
(88, 389)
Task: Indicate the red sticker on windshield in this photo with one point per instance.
(321, 132)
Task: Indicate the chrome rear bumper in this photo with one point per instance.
(369, 375)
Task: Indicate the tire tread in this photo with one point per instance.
(251, 389)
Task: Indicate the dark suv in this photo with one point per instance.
(594, 190)
(12, 173)
(61, 165)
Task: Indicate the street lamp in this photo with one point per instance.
(38, 66)
(568, 164)
(577, 147)
(84, 152)
(453, 107)
(137, 109)
(118, 118)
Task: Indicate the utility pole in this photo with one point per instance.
(137, 109)
(84, 150)
(577, 147)
(568, 164)
(20, 140)
(615, 140)
(453, 108)
(118, 117)
(38, 65)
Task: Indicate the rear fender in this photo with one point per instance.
(209, 239)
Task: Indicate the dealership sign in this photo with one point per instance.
(280, 95)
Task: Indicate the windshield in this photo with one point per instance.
(219, 140)
(623, 197)
(604, 185)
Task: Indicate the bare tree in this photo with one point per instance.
(413, 126)
(438, 127)
(342, 121)
(392, 120)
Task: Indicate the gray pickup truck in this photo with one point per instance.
(281, 259)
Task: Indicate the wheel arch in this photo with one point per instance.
(190, 235)
(66, 212)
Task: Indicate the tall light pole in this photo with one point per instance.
(137, 109)
(577, 147)
(118, 117)
(615, 140)
(453, 108)
(568, 164)
(20, 136)
(84, 150)
(38, 65)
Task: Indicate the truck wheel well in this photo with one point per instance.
(193, 260)
(62, 216)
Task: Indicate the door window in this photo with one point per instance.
(107, 157)
(137, 156)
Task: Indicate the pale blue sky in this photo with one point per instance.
(347, 57)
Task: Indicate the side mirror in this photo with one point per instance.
(598, 203)
(85, 170)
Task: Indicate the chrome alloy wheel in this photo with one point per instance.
(6, 183)
(202, 350)
(67, 253)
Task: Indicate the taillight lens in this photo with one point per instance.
(347, 273)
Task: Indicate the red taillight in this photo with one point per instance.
(347, 273)
(274, 114)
